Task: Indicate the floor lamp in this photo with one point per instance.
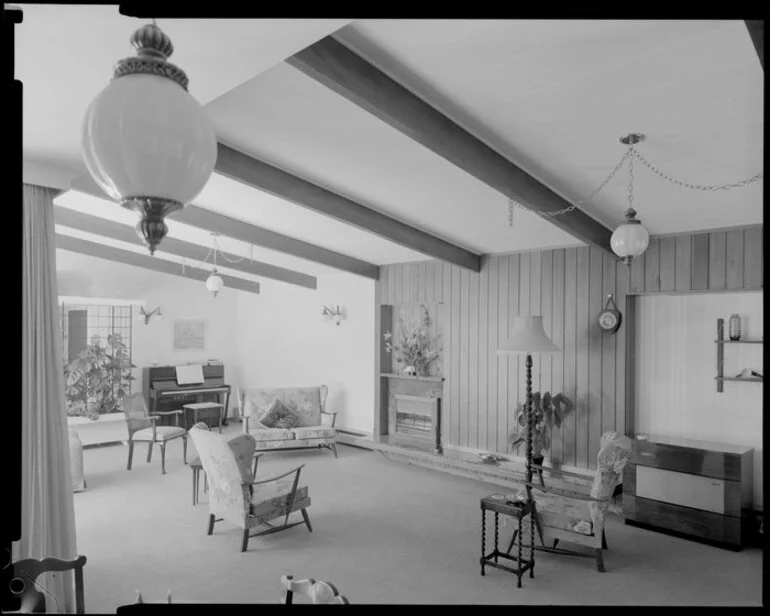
(528, 337)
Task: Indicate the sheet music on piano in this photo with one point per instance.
(190, 375)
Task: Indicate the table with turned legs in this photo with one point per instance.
(500, 504)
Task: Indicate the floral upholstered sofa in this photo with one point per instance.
(288, 418)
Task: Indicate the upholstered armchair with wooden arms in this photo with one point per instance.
(142, 428)
(237, 497)
(577, 516)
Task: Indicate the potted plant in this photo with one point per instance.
(548, 411)
(413, 349)
(98, 378)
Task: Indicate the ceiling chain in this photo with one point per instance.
(659, 173)
(629, 155)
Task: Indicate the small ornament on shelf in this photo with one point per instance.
(749, 373)
(735, 327)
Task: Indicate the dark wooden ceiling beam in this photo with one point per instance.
(252, 234)
(155, 264)
(239, 230)
(264, 176)
(114, 230)
(332, 64)
(756, 28)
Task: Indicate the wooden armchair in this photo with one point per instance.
(317, 592)
(24, 582)
(575, 516)
(142, 428)
(234, 494)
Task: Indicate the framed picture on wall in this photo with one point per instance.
(189, 335)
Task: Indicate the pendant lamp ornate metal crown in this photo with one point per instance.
(146, 141)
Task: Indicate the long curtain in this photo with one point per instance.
(47, 508)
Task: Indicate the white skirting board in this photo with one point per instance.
(356, 438)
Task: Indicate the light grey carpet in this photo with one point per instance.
(383, 532)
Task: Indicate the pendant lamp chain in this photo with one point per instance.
(631, 177)
(630, 154)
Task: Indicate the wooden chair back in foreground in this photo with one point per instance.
(24, 583)
(318, 592)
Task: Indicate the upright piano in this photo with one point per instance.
(162, 393)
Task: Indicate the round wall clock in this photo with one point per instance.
(609, 318)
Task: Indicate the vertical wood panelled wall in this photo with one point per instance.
(568, 287)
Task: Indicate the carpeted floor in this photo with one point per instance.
(383, 532)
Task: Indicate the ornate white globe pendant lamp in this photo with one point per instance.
(630, 239)
(146, 141)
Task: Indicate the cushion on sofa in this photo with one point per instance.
(285, 444)
(314, 432)
(272, 434)
(304, 401)
(278, 415)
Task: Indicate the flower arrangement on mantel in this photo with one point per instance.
(413, 349)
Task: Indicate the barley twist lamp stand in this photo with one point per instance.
(527, 337)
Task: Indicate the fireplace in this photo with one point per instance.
(419, 417)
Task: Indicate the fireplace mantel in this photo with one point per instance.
(409, 377)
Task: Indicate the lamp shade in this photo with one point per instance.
(630, 239)
(528, 336)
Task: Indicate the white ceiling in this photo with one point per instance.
(65, 55)
(287, 118)
(102, 208)
(553, 96)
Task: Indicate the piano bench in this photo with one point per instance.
(206, 408)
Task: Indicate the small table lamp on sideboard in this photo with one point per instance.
(528, 337)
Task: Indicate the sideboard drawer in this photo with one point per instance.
(683, 489)
(719, 465)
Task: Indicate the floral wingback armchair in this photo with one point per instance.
(577, 517)
(236, 497)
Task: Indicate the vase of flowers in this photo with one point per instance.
(414, 349)
(548, 411)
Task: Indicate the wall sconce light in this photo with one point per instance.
(143, 314)
(334, 313)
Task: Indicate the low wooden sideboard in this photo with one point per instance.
(694, 488)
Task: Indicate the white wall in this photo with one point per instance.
(284, 342)
(676, 364)
(81, 275)
(275, 339)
